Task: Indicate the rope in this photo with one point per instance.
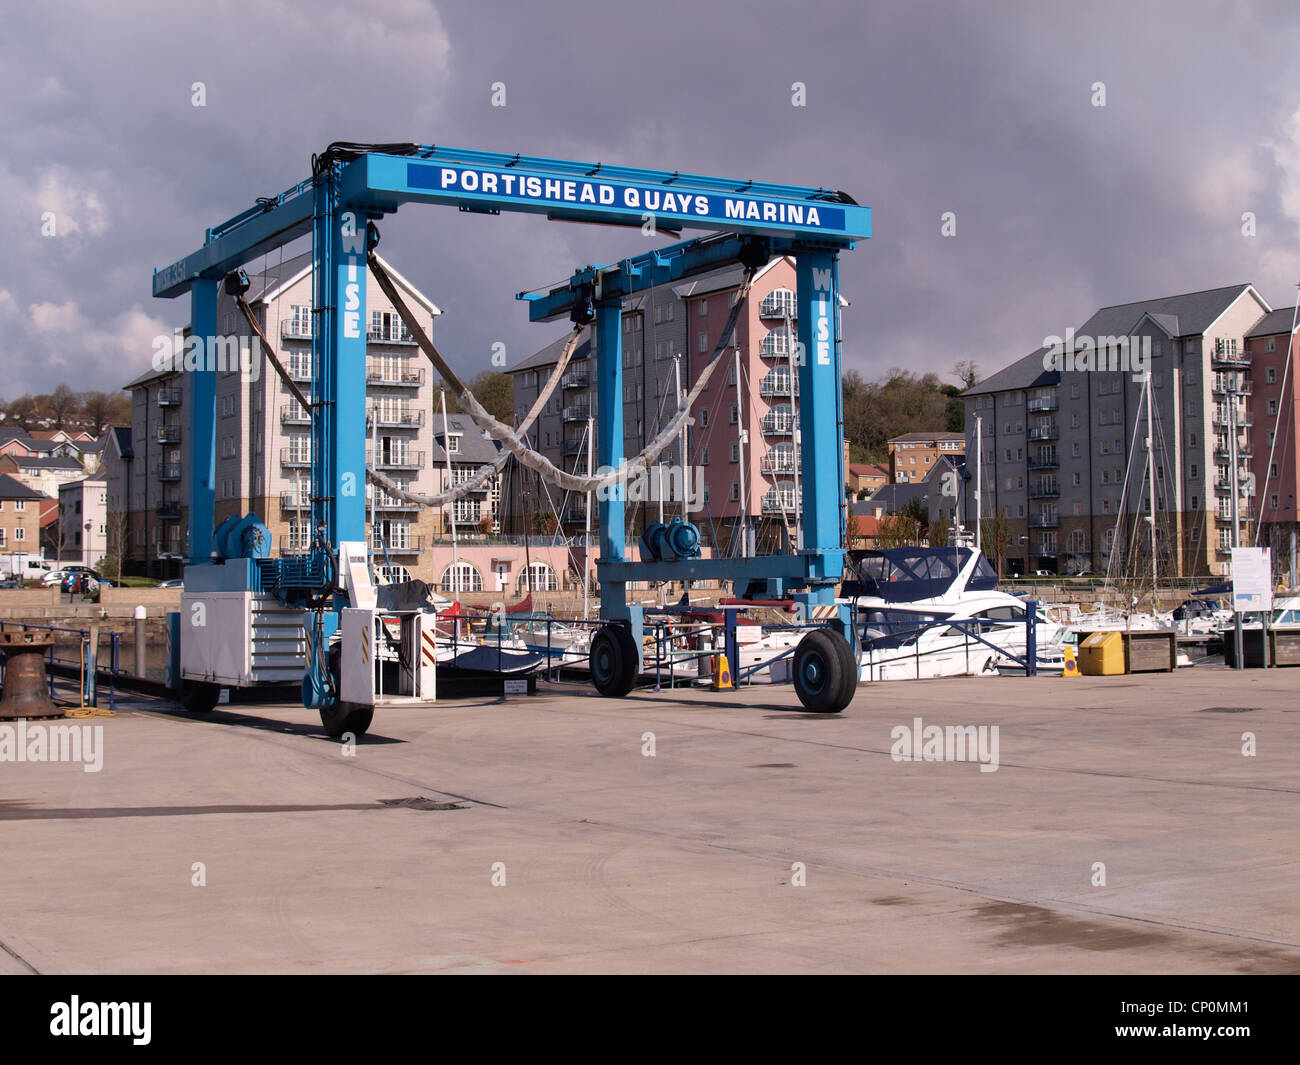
(485, 472)
(511, 439)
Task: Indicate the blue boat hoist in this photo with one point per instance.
(236, 593)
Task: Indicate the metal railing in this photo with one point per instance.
(168, 434)
(87, 671)
(381, 375)
(410, 460)
(169, 471)
(398, 418)
(293, 414)
(292, 457)
(169, 397)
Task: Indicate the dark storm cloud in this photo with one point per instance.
(916, 109)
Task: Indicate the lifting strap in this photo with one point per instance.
(511, 439)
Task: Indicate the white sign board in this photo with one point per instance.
(1252, 578)
(516, 687)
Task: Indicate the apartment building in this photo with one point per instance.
(913, 455)
(20, 521)
(83, 522)
(1274, 411)
(263, 442)
(743, 438)
(1063, 437)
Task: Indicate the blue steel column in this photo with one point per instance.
(200, 434)
(609, 448)
(339, 371)
(821, 431)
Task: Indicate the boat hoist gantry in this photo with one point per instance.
(352, 187)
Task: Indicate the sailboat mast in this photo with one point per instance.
(1151, 486)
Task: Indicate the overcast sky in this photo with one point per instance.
(984, 109)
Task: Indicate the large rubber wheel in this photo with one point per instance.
(346, 717)
(199, 696)
(613, 660)
(825, 673)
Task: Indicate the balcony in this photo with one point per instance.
(1042, 405)
(299, 330)
(169, 471)
(776, 345)
(777, 383)
(293, 414)
(168, 434)
(398, 460)
(291, 544)
(398, 419)
(1044, 521)
(392, 335)
(298, 369)
(575, 516)
(295, 458)
(386, 375)
(169, 397)
(169, 547)
(1044, 491)
(1223, 451)
(575, 447)
(576, 413)
(778, 423)
(575, 380)
(778, 462)
(402, 545)
(294, 501)
(1049, 462)
(1223, 388)
(386, 504)
(169, 510)
(778, 502)
(1044, 432)
(779, 303)
(1222, 360)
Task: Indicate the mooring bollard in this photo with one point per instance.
(139, 641)
(24, 691)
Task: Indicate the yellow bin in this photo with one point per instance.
(1102, 655)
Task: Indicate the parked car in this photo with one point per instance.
(34, 569)
(176, 583)
(57, 576)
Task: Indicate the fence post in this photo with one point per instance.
(1031, 638)
(139, 641)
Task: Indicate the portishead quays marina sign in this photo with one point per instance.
(557, 191)
(616, 194)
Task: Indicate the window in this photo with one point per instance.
(1195, 502)
(735, 491)
(704, 457)
(734, 414)
(1270, 345)
(1192, 471)
(703, 343)
(704, 418)
(1272, 406)
(735, 452)
(1191, 439)
(702, 307)
(453, 444)
(1078, 479)
(1272, 502)
(20, 504)
(462, 577)
(538, 577)
(21, 534)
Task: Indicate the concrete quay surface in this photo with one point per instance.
(1123, 831)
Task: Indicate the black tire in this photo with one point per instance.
(346, 717)
(199, 697)
(825, 675)
(613, 660)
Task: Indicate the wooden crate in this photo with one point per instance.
(1154, 651)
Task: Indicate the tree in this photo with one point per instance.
(25, 411)
(996, 536)
(939, 530)
(62, 405)
(898, 530)
(99, 410)
(966, 372)
(492, 388)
